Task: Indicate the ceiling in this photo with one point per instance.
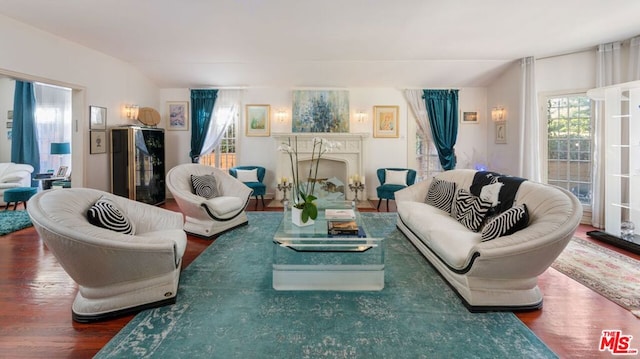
(330, 43)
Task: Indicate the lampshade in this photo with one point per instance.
(60, 148)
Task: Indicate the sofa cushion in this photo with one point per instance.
(470, 210)
(441, 194)
(205, 186)
(247, 175)
(395, 177)
(506, 223)
(106, 214)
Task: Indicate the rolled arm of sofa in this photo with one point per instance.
(414, 193)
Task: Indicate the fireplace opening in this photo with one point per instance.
(330, 179)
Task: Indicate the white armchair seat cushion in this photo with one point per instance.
(14, 175)
(224, 206)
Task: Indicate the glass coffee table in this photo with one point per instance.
(308, 258)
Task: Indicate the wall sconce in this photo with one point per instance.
(498, 114)
(131, 111)
(281, 115)
(361, 116)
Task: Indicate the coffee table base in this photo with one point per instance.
(295, 277)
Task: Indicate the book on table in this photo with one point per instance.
(340, 214)
(342, 228)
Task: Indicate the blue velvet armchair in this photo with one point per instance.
(392, 180)
(252, 176)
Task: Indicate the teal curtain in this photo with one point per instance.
(442, 107)
(24, 142)
(202, 102)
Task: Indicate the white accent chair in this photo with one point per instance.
(208, 217)
(14, 175)
(116, 273)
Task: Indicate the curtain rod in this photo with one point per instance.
(220, 88)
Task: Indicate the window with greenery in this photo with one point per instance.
(569, 139)
(427, 159)
(224, 156)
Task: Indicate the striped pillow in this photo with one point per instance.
(104, 213)
(471, 210)
(440, 194)
(506, 223)
(205, 186)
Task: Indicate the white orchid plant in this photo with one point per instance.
(302, 193)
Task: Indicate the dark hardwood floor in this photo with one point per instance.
(36, 296)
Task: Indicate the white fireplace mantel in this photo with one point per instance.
(350, 151)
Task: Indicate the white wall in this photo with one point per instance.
(379, 152)
(97, 79)
(7, 86)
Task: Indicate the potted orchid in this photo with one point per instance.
(304, 210)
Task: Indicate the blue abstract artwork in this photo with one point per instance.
(320, 111)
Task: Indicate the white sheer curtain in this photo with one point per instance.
(53, 123)
(634, 59)
(608, 66)
(530, 165)
(428, 161)
(224, 111)
(419, 109)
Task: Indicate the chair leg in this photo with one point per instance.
(387, 204)
(256, 203)
(262, 197)
(379, 201)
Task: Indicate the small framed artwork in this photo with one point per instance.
(258, 120)
(9, 124)
(97, 118)
(10, 115)
(62, 171)
(469, 117)
(501, 132)
(385, 121)
(178, 112)
(98, 141)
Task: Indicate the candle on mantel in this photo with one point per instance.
(350, 180)
(362, 180)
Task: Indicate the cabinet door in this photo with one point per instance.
(149, 166)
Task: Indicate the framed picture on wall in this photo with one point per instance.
(258, 120)
(97, 118)
(98, 140)
(469, 117)
(178, 115)
(385, 121)
(501, 132)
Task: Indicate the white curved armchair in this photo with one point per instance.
(208, 217)
(116, 273)
(14, 175)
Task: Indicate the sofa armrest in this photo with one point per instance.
(414, 193)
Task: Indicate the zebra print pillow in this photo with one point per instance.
(104, 213)
(205, 186)
(471, 210)
(506, 223)
(440, 194)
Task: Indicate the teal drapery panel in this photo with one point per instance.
(202, 102)
(24, 143)
(442, 107)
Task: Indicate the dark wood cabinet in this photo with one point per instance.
(137, 163)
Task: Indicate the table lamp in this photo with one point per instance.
(60, 148)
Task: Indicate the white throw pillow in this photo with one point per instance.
(248, 175)
(395, 177)
(491, 192)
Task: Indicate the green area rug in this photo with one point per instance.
(613, 275)
(227, 309)
(11, 221)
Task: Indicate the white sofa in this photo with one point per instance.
(14, 175)
(498, 274)
(116, 273)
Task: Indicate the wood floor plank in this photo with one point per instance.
(36, 296)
